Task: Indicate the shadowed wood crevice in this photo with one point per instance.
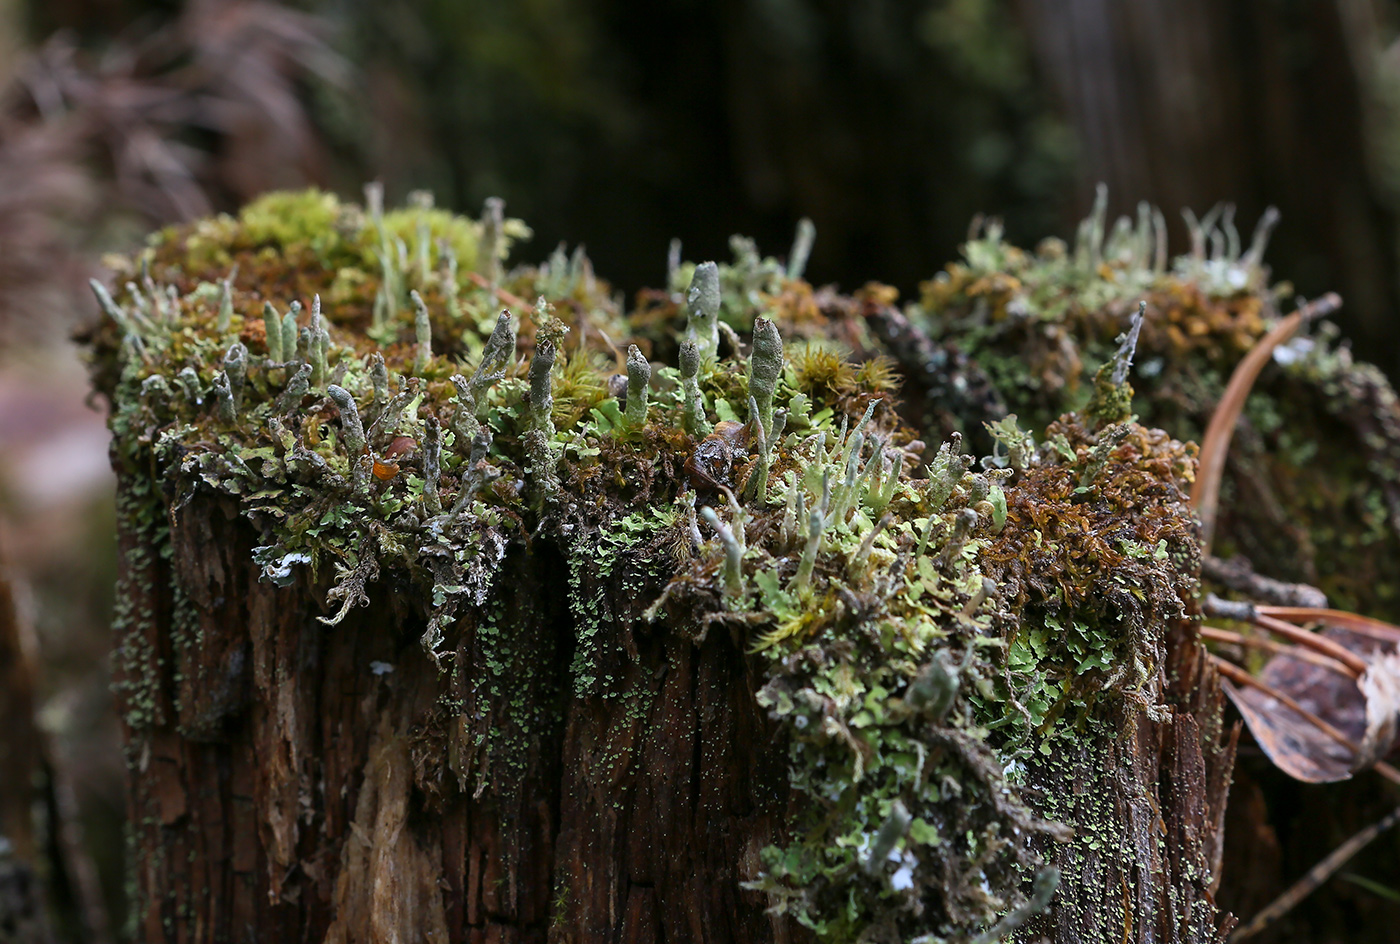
(304, 782)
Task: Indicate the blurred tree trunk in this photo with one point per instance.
(21, 751)
(40, 836)
(22, 907)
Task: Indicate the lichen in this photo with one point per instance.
(923, 634)
(1041, 324)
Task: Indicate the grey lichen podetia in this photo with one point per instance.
(1112, 401)
(923, 631)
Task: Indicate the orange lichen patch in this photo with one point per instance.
(877, 294)
(384, 471)
(1181, 317)
(941, 293)
(998, 286)
(958, 284)
(1188, 321)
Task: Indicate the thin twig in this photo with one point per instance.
(1322, 644)
(1247, 612)
(1315, 876)
(514, 301)
(1354, 622)
(1278, 648)
(1238, 574)
(1205, 493)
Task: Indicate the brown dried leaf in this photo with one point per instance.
(1292, 741)
(1381, 688)
(1365, 714)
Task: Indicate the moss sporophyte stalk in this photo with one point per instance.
(923, 633)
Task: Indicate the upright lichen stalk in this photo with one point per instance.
(693, 416)
(272, 327)
(638, 377)
(354, 433)
(422, 333)
(704, 301)
(539, 435)
(765, 367)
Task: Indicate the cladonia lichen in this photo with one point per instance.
(924, 634)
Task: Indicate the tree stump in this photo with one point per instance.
(556, 648)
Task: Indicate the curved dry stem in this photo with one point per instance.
(1355, 664)
(1216, 634)
(1246, 612)
(1353, 622)
(1205, 493)
(507, 298)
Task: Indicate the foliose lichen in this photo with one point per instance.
(924, 631)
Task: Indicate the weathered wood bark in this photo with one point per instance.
(291, 781)
(294, 782)
(1155, 794)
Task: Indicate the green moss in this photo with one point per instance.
(1310, 494)
(928, 639)
(291, 221)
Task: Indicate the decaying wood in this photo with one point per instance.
(300, 782)
(1147, 799)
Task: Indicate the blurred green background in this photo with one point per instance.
(621, 125)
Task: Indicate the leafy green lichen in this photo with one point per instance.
(924, 635)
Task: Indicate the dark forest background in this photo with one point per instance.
(891, 123)
(619, 125)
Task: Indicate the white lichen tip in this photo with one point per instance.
(801, 248)
(1127, 346)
